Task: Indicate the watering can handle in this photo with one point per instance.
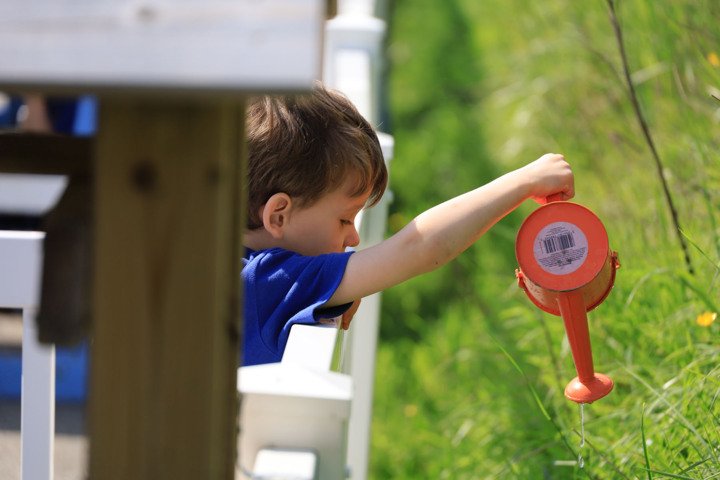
(555, 197)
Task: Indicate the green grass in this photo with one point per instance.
(470, 375)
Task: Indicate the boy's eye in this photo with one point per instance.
(345, 222)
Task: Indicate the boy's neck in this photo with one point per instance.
(259, 239)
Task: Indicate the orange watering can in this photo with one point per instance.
(567, 269)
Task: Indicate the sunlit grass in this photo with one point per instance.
(470, 375)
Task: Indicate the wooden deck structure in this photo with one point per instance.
(167, 196)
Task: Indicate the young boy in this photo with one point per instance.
(314, 163)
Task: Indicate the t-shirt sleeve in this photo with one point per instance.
(283, 289)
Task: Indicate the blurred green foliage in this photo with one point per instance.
(480, 88)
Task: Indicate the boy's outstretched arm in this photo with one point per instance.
(441, 233)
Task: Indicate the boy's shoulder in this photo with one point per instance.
(280, 264)
(260, 263)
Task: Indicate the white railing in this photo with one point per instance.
(315, 407)
(318, 400)
(20, 276)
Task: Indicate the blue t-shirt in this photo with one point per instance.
(283, 288)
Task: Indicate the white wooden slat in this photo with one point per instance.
(363, 338)
(20, 267)
(30, 194)
(311, 346)
(37, 410)
(353, 71)
(184, 45)
(293, 406)
(353, 59)
(285, 464)
(20, 278)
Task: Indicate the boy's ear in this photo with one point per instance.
(275, 214)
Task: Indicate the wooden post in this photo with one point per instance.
(331, 8)
(163, 400)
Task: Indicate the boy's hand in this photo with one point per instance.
(548, 175)
(348, 315)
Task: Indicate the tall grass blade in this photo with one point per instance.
(644, 444)
(527, 381)
(646, 133)
(714, 263)
(689, 282)
(694, 465)
(711, 216)
(676, 413)
(668, 474)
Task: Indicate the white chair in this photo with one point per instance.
(20, 279)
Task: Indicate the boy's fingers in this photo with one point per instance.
(348, 315)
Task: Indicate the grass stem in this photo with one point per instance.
(646, 133)
(539, 403)
(644, 444)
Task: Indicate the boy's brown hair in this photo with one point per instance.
(306, 146)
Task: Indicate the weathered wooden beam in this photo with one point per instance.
(163, 401)
(45, 154)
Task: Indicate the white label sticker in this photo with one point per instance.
(560, 248)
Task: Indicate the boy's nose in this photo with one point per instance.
(353, 238)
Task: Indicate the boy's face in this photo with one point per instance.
(328, 225)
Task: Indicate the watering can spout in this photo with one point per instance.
(588, 386)
(567, 269)
(588, 391)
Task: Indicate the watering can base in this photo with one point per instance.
(588, 392)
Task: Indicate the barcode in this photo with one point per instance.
(558, 242)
